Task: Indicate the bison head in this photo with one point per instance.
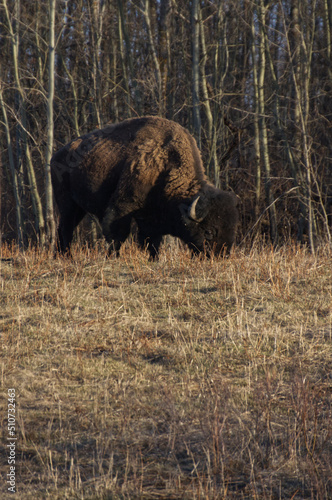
(210, 221)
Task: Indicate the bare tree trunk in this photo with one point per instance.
(300, 52)
(262, 125)
(115, 105)
(75, 97)
(18, 205)
(328, 22)
(36, 202)
(146, 12)
(165, 9)
(291, 155)
(293, 40)
(39, 51)
(213, 164)
(96, 15)
(49, 214)
(256, 119)
(123, 37)
(195, 70)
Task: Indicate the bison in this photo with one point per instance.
(148, 169)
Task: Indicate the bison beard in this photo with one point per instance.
(147, 169)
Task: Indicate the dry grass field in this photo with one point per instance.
(178, 379)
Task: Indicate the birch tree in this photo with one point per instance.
(300, 52)
(17, 197)
(195, 13)
(263, 134)
(217, 68)
(49, 216)
(22, 124)
(255, 62)
(213, 164)
(163, 45)
(156, 16)
(126, 58)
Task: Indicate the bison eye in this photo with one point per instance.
(208, 235)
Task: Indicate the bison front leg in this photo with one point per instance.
(150, 242)
(116, 229)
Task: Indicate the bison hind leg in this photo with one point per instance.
(70, 216)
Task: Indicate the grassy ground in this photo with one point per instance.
(177, 379)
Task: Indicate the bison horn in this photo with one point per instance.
(192, 211)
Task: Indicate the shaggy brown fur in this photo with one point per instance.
(149, 169)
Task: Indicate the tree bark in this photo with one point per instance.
(300, 51)
(262, 125)
(195, 70)
(256, 118)
(36, 201)
(163, 28)
(17, 197)
(146, 12)
(213, 164)
(49, 213)
(97, 10)
(126, 59)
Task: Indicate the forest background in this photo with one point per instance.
(251, 80)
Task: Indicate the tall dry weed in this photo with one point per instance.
(182, 378)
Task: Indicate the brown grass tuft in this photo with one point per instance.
(182, 378)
